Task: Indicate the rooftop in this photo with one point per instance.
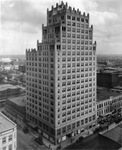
(106, 94)
(115, 134)
(21, 87)
(7, 86)
(95, 142)
(5, 123)
(20, 101)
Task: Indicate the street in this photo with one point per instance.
(26, 141)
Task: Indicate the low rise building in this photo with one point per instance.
(107, 79)
(16, 109)
(8, 133)
(8, 90)
(108, 101)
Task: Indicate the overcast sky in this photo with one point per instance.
(21, 22)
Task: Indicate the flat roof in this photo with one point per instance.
(21, 100)
(7, 86)
(5, 123)
(95, 142)
(106, 94)
(115, 134)
(21, 87)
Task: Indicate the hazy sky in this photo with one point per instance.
(21, 22)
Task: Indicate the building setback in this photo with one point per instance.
(61, 76)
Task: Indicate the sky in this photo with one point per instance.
(21, 22)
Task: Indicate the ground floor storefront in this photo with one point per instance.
(65, 140)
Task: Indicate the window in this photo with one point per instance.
(10, 147)
(78, 35)
(64, 120)
(73, 18)
(86, 120)
(58, 132)
(82, 20)
(63, 41)
(69, 47)
(87, 26)
(62, 17)
(68, 17)
(63, 129)
(68, 41)
(63, 47)
(68, 29)
(4, 140)
(78, 19)
(82, 122)
(86, 20)
(69, 23)
(10, 138)
(68, 127)
(82, 25)
(63, 34)
(63, 28)
(78, 24)
(73, 23)
(78, 30)
(73, 29)
(68, 35)
(78, 41)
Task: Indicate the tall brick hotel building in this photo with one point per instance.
(61, 76)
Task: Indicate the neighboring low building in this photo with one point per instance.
(107, 79)
(8, 90)
(16, 109)
(108, 101)
(8, 133)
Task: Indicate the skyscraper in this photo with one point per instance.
(61, 76)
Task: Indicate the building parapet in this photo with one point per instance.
(32, 50)
(67, 8)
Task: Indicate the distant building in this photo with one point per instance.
(22, 68)
(7, 67)
(8, 133)
(8, 90)
(7, 60)
(107, 79)
(16, 108)
(102, 63)
(108, 101)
